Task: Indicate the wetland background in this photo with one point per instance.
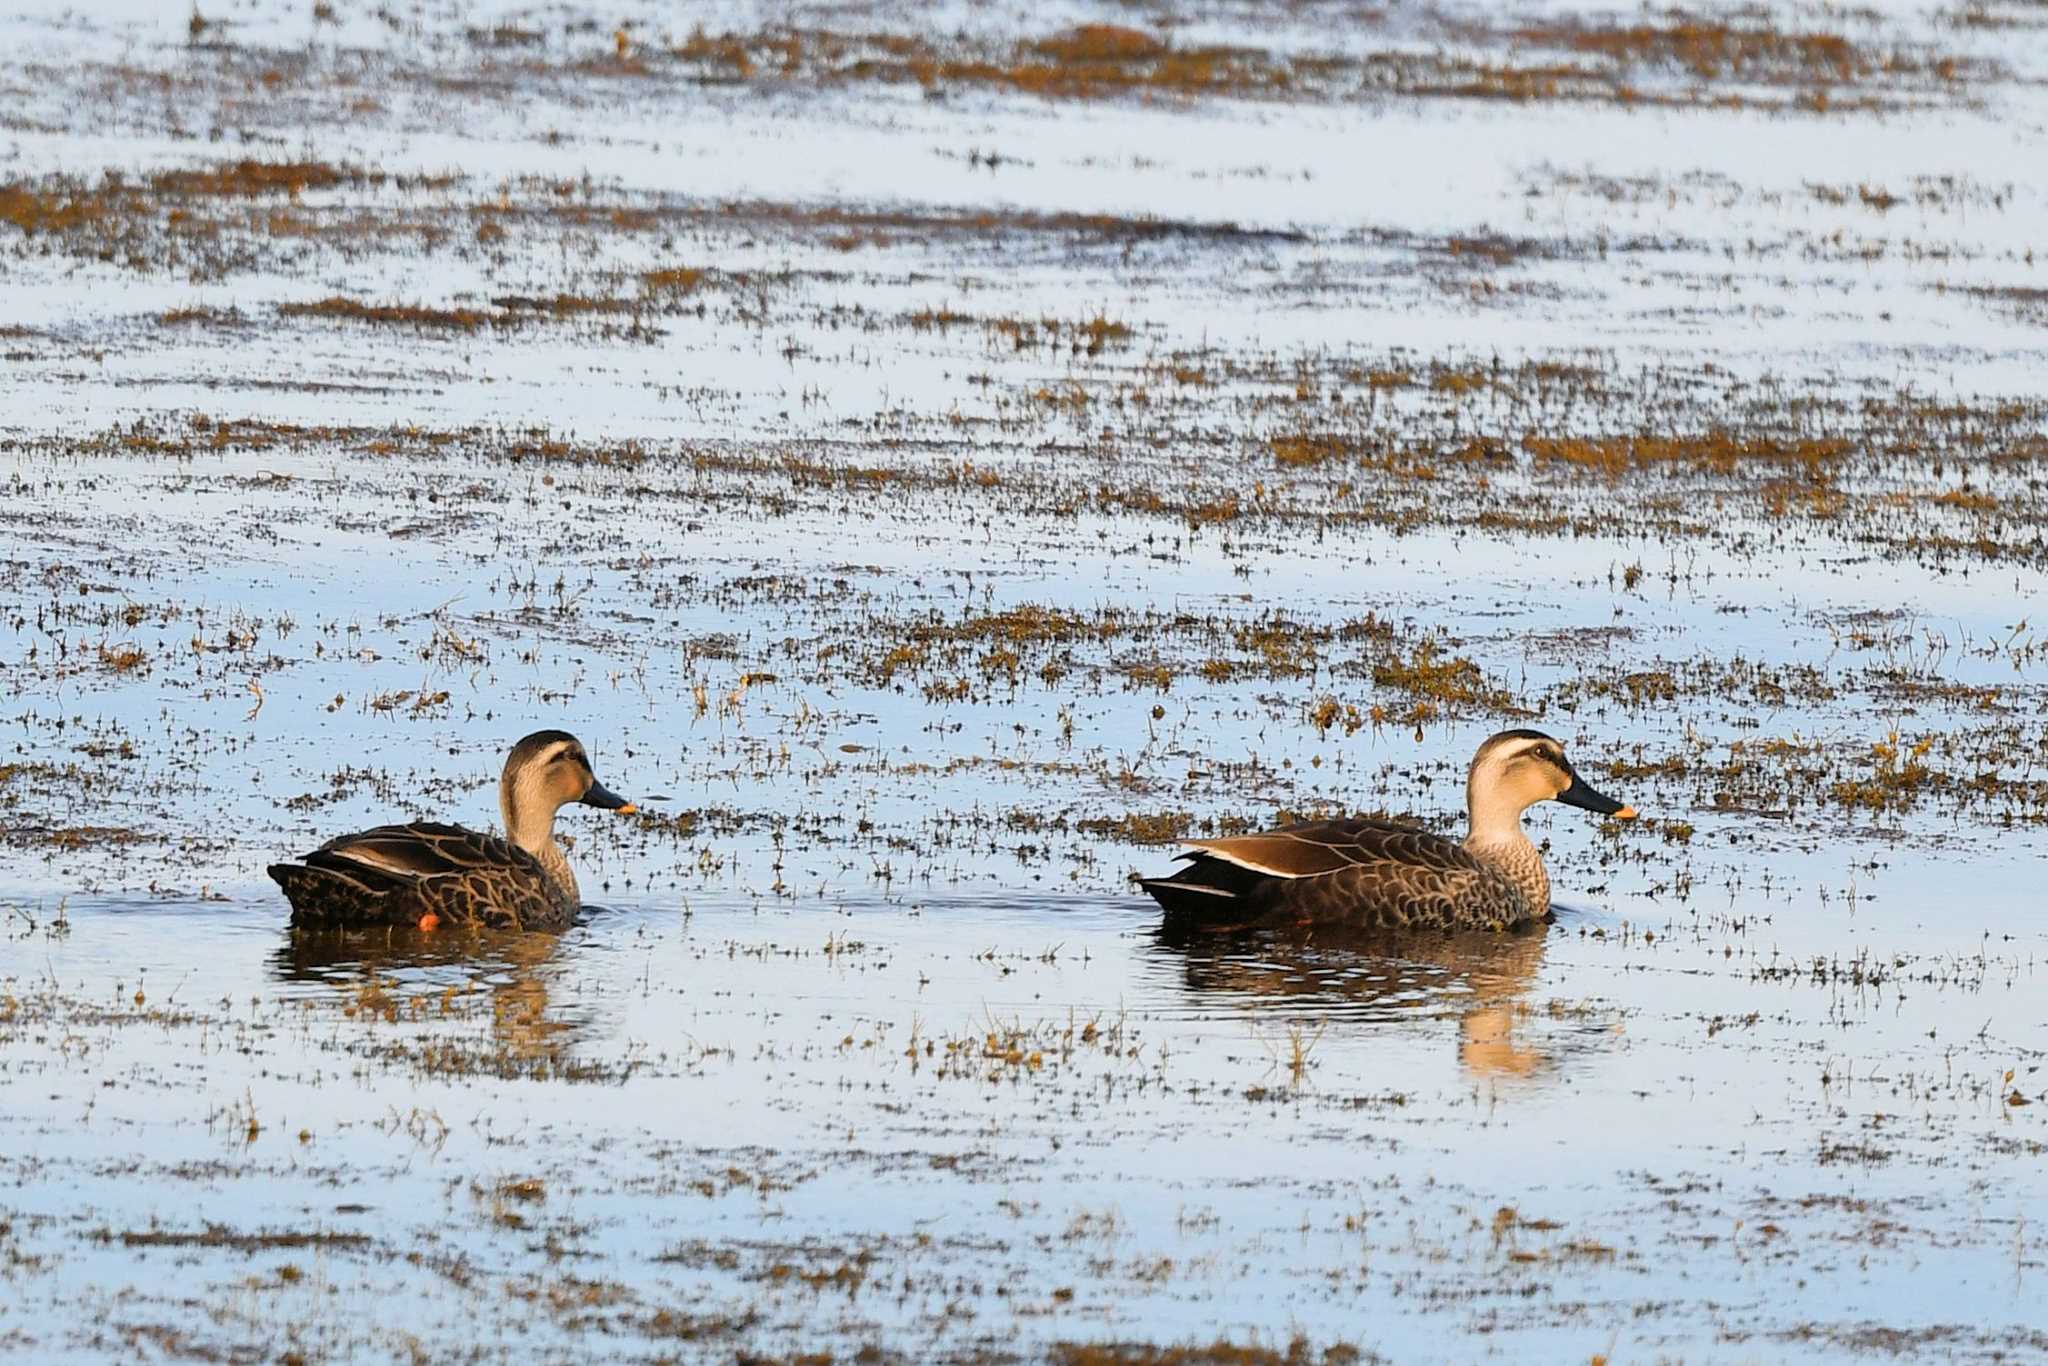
(934, 456)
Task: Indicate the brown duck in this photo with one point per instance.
(426, 873)
(1376, 874)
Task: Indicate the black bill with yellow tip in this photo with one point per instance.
(1586, 799)
(605, 799)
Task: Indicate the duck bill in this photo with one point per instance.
(604, 799)
(1586, 799)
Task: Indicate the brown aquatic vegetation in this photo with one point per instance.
(1083, 65)
(174, 203)
(1012, 633)
(200, 217)
(511, 310)
(260, 177)
(1311, 450)
(1898, 777)
(722, 50)
(1138, 828)
(123, 658)
(72, 837)
(937, 319)
(674, 279)
(1436, 680)
(1090, 337)
(1100, 43)
(560, 305)
(1797, 456)
(1709, 49)
(1719, 451)
(1326, 712)
(56, 209)
(399, 315)
(1100, 60)
(181, 317)
(1086, 62)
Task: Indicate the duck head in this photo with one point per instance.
(545, 772)
(1516, 769)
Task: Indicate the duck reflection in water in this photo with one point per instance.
(402, 973)
(1481, 977)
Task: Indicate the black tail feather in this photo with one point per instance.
(1207, 894)
(1191, 898)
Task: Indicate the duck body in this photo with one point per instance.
(404, 874)
(1381, 875)
(1367, 874)
(425, 873)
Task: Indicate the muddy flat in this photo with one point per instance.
(936, 458)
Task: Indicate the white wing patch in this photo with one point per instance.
(1188, 887)
(369, 859)
(1238, 860)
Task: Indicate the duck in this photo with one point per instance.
(425, 873)
(1382, 875)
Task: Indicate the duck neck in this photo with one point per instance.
(555, 864)
(1498, 840)
(533, 829)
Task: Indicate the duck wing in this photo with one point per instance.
(1316, 849)
(421, 849)
(1373, 874)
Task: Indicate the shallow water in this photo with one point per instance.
(987, 1123)
(929, 498)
